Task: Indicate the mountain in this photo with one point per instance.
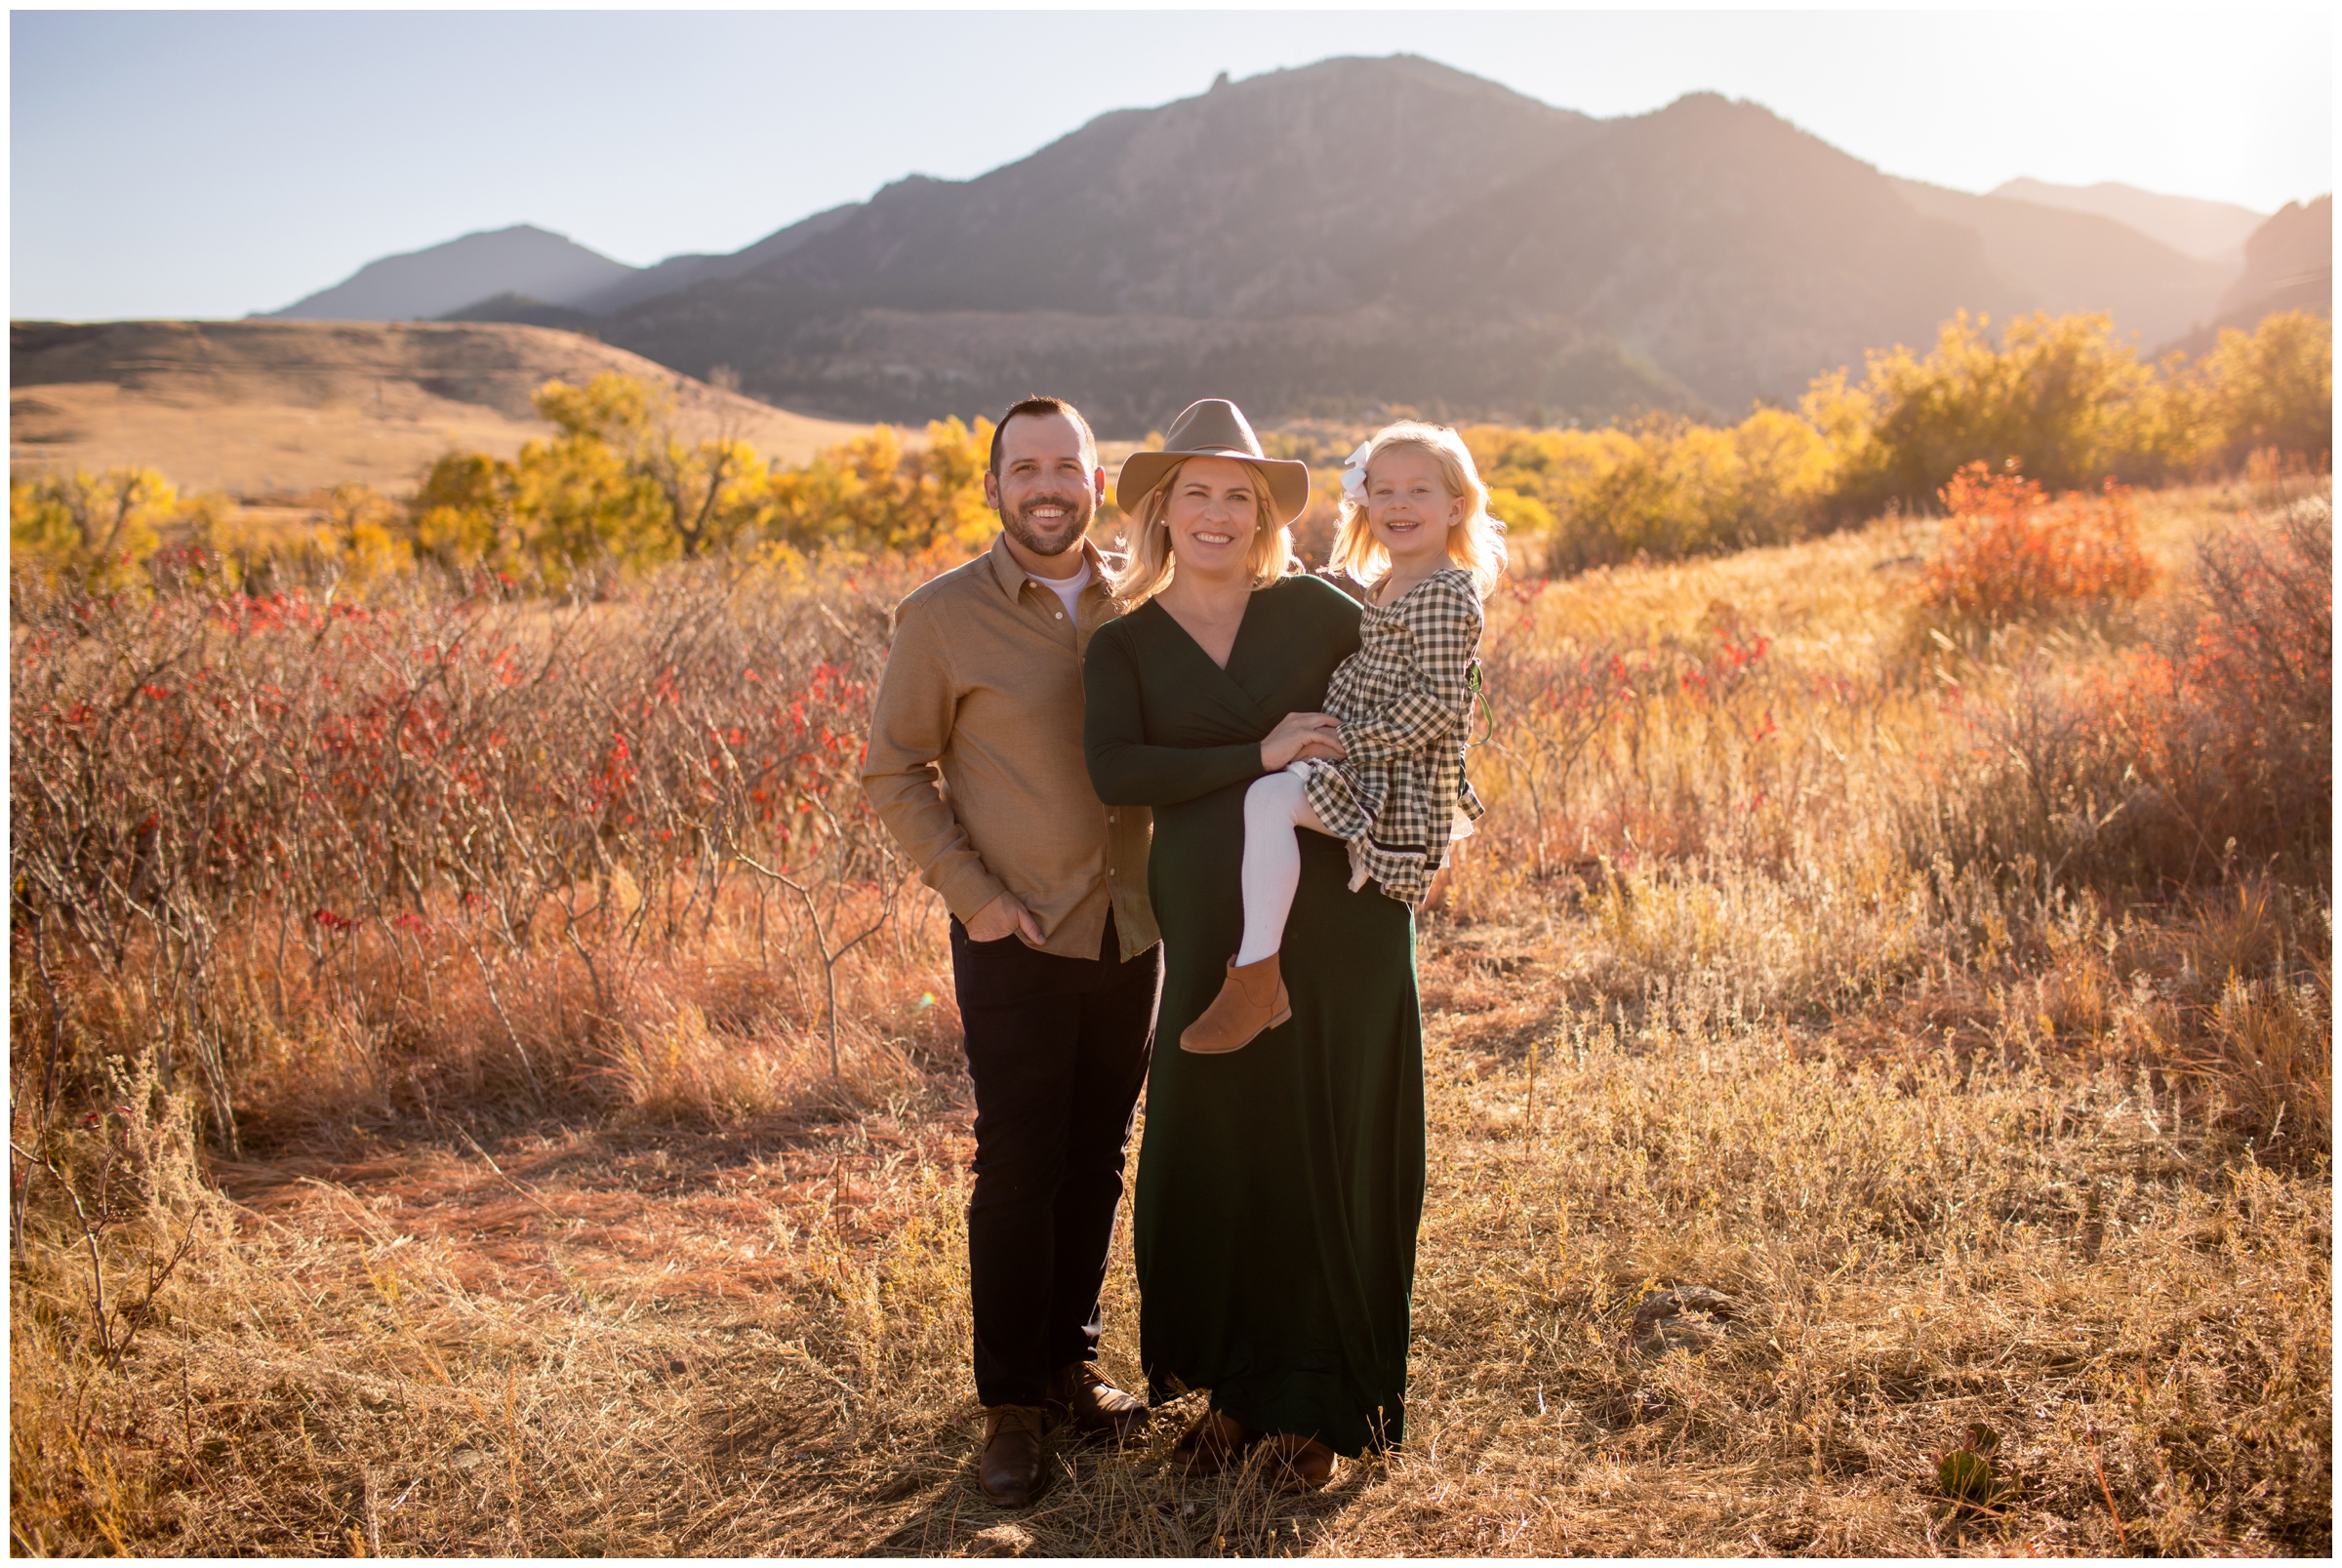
(682, 271)
(1538, 260)
(1256, 199)
(522, 260)
(523, 310)
(2289, 262)
(2066, 260)
(2208, 230)
(1223, 241)
(1372, 232)
(1391, 230)
(2288, 265)
(1712, 238)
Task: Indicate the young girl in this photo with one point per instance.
(1415, 529)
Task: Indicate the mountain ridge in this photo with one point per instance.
(2207, 230)
(2151, 289)
(1375, 230)
(524, 258)
(2288, 265)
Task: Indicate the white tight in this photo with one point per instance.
(1273, 808)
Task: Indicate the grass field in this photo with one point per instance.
(1804, 959)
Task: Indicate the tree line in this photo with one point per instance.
(2062, 400)
(616, 488)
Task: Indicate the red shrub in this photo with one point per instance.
(2009, 551)
(2230, 721)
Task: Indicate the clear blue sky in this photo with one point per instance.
(213, 163)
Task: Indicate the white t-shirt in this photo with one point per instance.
(1068, 589)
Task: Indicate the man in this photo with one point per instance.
(975, 764)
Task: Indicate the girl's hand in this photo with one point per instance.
(1300, 736)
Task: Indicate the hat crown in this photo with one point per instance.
(1213, 425)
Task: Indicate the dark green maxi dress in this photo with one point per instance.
(1280, 1186)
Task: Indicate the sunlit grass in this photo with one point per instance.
(1960, 1142)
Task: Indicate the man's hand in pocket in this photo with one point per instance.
(1006, 916)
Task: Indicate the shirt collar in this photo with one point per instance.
(1012, 576)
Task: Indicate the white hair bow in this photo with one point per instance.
(1354, 472)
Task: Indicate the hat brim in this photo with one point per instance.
(1288, 479)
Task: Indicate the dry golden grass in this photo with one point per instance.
(281, 408)
(751, 1338)
(1958, 1147)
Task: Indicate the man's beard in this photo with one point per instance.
(1020, 529)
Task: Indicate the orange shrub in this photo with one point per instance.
(2009, 551)
(2229, 722)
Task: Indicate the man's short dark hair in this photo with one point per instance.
(1043, 405)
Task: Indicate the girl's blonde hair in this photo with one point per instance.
(1477, 544)
(1146, 565)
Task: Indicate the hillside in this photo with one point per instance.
(678, 272)
(1716, 240)
(2288, 265)
(2289, 262)
(2208, 230)
(2069, 260)
(257, 407)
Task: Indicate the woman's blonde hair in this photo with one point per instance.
(1146, 565)
(1477, 544)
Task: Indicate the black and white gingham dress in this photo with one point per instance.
(1400, 795)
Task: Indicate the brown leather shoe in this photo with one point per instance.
(1296, 1463)
(1251, 999)
(1080, 1393)
(1011, 1466)
(1208, 1447)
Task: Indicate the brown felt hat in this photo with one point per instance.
(1214, 427)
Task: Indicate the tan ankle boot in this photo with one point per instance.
(1298, 1463)
(1251, 999)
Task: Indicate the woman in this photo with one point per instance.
(1280, 1186)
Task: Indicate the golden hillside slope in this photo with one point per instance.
(277, 408)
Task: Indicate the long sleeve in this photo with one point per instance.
(910, 725)
(1124, 769)
(1433, 699)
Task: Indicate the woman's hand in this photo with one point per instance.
(1301, 736)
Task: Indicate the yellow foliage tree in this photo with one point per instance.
(2271, 388)
(584, 495)
(876, 493)
(715, 492)
(2061, 395)
(1662, 488)
(96, 528)
(617, 484)
(465, 514)
(364, 530)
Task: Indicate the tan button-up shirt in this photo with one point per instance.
(974, 761)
